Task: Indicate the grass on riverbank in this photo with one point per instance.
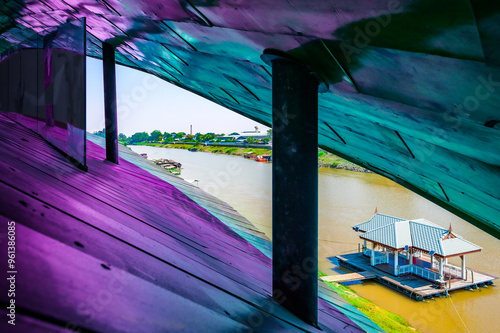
(325, 159)
(239, 151)
(388, 321)
(329, 160)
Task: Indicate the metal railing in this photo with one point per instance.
(380, 259)
(449, 269)
(423, 272)
(406, 269)
(453, 271)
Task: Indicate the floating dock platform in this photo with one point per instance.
(348, 277)
(411, 285)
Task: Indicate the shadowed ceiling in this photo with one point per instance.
(413, 86)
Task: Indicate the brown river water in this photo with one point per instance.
(347, 198)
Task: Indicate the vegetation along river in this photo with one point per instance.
(347, 198)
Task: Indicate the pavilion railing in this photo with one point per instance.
(451, 270)
(406, 269)
(423, 272)
(380, 259)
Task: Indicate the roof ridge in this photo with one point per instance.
(434, 225)
(411, 232)
(383, 226)
(371, 219)
(387, 216)
(440, 242)
(395, 235)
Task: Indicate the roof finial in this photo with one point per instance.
(449, 234)
(376, 210)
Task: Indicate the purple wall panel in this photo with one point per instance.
(4, 85)
(28, 88)
(63, 122)
(14, 62)
(45, 87)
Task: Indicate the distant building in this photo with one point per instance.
(242, 136)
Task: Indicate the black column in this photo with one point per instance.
(48, 80)
(110, 114)
(295, 189)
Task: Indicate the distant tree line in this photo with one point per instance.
(158, 137)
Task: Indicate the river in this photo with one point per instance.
(347, 198)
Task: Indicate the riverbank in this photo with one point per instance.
(388, 321)
(325, 159)
(329, 160)
(344, 199)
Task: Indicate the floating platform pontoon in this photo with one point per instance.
(411, 285)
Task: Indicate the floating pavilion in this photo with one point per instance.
(409, 253)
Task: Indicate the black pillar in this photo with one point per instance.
(295, 189)
(110, 114)
(48, 80)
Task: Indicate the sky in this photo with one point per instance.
(145, 103)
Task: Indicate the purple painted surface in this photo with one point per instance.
(419, 76)
(118, 249)
(46, 87)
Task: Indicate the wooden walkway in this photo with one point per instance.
(117, 249)
(226, 214)
(348, 277)
(409, 284)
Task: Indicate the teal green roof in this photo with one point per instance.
(413, 87)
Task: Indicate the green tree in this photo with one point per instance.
(122, 137)
(250, 139)
(139, 137)
(266, 140)
(270, 133)
(155, 136)
(207, 137)
(234, 133)
(180, 135)
(102, 133)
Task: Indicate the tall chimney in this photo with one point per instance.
(191, 130)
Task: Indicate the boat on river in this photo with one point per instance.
(250, 155)
(263, 158)
(169, 165)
